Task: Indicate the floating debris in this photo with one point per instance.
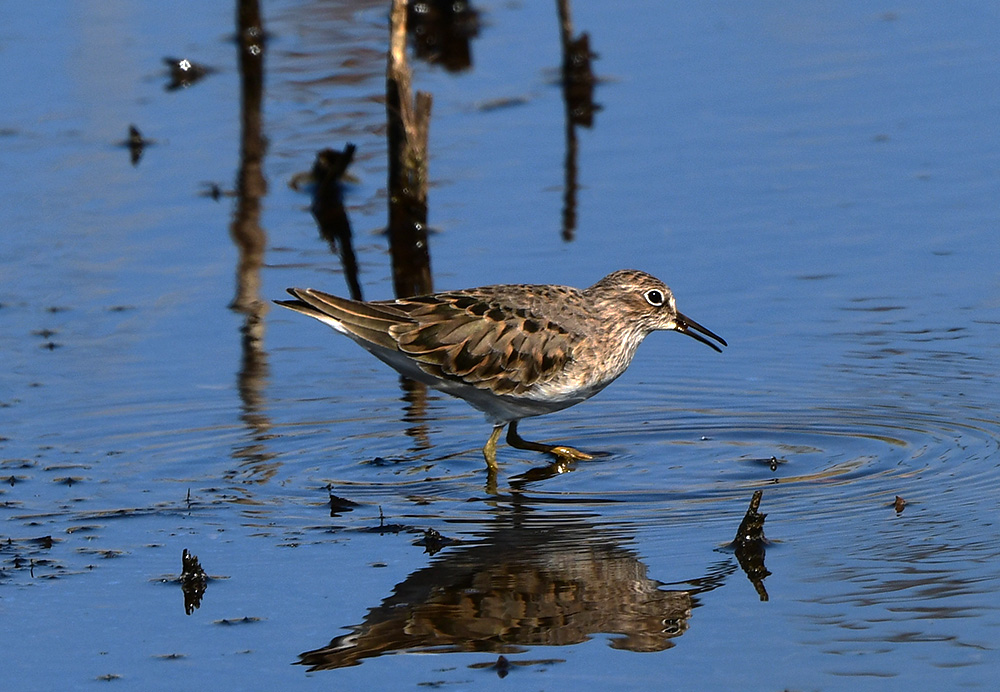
(214, 191)
(103, 553)
(503, 665)
(384, 528)
(340, 505)
(771, 462)
(136, 144)
(749, 545)
(184, 72)
(379, 461)
(194, 581)
(433, 541)
(502, 103)
(237, 621)
(44, 542)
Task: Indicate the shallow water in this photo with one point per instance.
(816, 184)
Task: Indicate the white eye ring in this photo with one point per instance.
(654, 297)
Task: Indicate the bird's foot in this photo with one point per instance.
(564, 453)
(561, 452)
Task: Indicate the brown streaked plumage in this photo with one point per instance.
(512, 351)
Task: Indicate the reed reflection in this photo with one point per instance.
(251, 240)
(535, 578)
(327, 174)
(442, 32)
(577, 79)
(251, 186)
(407, 125)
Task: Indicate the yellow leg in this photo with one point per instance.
(491, 481)
(560, 452)
(490, 450)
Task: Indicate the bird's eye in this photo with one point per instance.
(654, 297)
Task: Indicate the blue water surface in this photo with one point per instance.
(816, 182)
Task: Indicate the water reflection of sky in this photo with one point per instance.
(816, 183)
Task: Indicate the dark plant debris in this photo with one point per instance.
(183, 72)
(749, 545)
(433, 541)
(238, 621)
(340, 505)
(214, 191)
(194, 581)
(136, 144)
(503, 665)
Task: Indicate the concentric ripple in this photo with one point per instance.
(834, 456)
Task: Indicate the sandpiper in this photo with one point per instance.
(512, 351)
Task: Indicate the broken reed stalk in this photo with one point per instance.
(408, 121)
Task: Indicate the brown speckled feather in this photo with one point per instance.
(460, 335)
(480, 342)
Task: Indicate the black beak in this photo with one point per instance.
(685, 325)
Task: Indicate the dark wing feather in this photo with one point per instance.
(368, 321)
(459, 336)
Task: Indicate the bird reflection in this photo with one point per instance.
(535, 578)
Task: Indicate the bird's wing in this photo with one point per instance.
(458, 336)
(367, 322)
(465, 336)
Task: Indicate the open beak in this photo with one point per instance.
(685, 325)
